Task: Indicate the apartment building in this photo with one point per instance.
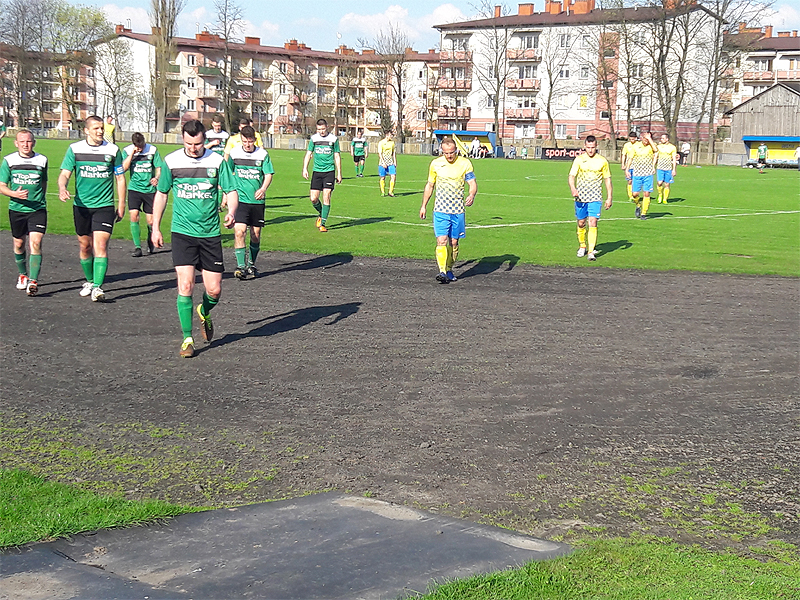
(587, 69)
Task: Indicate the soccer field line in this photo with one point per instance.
(560, 222)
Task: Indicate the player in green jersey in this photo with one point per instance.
(217, 137)
(360, 148)
(252, 173)
(98, 166)
(143, 162)
(195, 175)
(324, 147)
(23, 178)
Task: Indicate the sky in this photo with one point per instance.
(324, 24)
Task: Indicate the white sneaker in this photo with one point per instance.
(86, 289)
(581, 252)
(592, 255)
(98, 295)
(22, 282)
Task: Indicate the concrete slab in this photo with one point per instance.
(322, 546)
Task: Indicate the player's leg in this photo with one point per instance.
(255, 247)
(441, 229)
(239, 250)
(383, 185)
(212, 269)
(392, 177)
(35, 240)
(327, 192)
(594, 208)
(185, 277)
(458, 230)
(581, 214)
(134, 204)
(102, 227)
(629, 179)
(660, 189)
(636, 190)
(668, 179)
(82, 219)
(147, 208)
(316, 190)
(19, 230)
(256, 223)
(357, 161)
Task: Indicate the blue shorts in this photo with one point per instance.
(629, 174)
(665, 175)
(453, 226)
(587, 209)
(642, 183)
(391, 170)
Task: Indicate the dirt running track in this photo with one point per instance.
(545, 399)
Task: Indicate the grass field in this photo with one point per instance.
(719, 219)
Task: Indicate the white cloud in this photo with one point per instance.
(270, 33)
(785, 17)
(120, 15)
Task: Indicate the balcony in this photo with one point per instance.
(455, 56)
(767, 76)
(51, 116)
(454, 84)
(326, 100)
(209, 72)
(262, 75)
(523, 84)
(209, 92)
(523, 54)
(329, 79)
(287, 120)
(449, 112)
(298, 99)
(522, 114)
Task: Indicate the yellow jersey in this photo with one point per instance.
(627, 150)
(665, 156)
(386, 153)
(449, 179)
(642, 160)
(236, 140)
(589, 174)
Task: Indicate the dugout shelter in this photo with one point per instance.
(464, 138)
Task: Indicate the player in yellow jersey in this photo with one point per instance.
(387, 162)
(448, 174)
(643, 167)
(666, 163)
(627, 154)
(586, 178)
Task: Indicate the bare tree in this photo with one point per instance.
(556, 47)
(390, 47)
(114, 70)
(229, 27)
(164, 19)
(491, 63)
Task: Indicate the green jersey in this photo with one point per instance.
(95, 168)
(21, 173)
(358, 145)
(222, 136)
(143, 168)
(195, 183)
(323, 148)
(762, 151)
(248, 170)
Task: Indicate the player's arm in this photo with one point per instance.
(154, 178)
(126, 163)
(473, 190)
(261, 192)
(337, 160)
(232, 201)
(609, 191)
(572, 187)
(306, 160)
(5, 179)
(122, 189)
(426, 196)
(159, 205)
(63, 180)
(210, 143)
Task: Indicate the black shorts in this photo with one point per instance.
(358, 159)
(141, 201)
(323, 181)
(204, 254)
(89, 220)
(23, 223)
(250, 214)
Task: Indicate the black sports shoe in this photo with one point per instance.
(252, 272)
(206, 326)
(643, 217)
(137, 253)
(442, 278)
(638, 212)
(151, 247)
(240, 273)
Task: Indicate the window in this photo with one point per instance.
(762, 64)
(563, 40)
(584, 101)
(563, 73)
(584, 72)
(526, 101)
(490, 71)
(609, 53)
(90, 72)
(190, 105)
(581, 129)
(191, 83)
(563, 100)
(422, 75)
(636, 101)
(527, 72)
(736, 87)
(460, 72)
(586, 41)
(191, 60)
(282, 88)
(342, 113)
(282, 109)
(420, 115)
(529, 41)
(283, 67)
(608, 84)
(561, 132)
(637, 70)
(72, 72)
(461, 44)
(604, 114)
(490, 102)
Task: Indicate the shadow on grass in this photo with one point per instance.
(358, 222)
(288, 219)
(658, 215)
(608, 247)
(488, 264)
(290, 321)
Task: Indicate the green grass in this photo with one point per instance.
(32, 508)
(719, 219)
(636, 568)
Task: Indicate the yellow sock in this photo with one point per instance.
(665, 195)
(391, 186)
(383, 186)
(455, 254)
(645, 205)
(441, 258)
(449, 262)
(660, 191)
(582, 236)
(630, 193)
(592, 238)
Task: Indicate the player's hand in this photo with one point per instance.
(469, 200)
(339, 178)
(20, 194)
(305, 173)
(608, 203)
(157, 238)
(154, 181)
(230, 220)
(422, 212)
(259, 195)
(63, 195)
(120, 215)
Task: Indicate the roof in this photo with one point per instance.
(595, 17)
(789, 85)
(755, 41)
(770, 138)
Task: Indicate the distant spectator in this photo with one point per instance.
(524, 152)
(475, 148)
(512, 153)
(797, 156)
(686, 148)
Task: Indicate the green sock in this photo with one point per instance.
(185, 314)
(254, 248)
(20, 260)
(317, 206)
(239, 253)
(208, 303)
(100, 268)
(326, 210)
(36, 265)
(136, 233)
(87, 264)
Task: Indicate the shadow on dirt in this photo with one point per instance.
(292, 320)
(489, 264)
(358, 222)
(327, 261)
